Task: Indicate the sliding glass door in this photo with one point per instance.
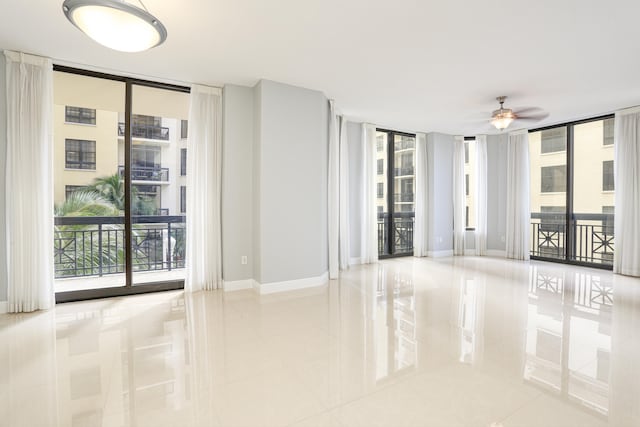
(395, 192)
(119, 182)
(572, 193)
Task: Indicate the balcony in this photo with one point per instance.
(402, 233)
(593, 241)
(141, 173)
(94, 246)
(403, 171)
(403, 197)
(146, 132)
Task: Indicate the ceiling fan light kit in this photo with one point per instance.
(502, 117)
(116, 24)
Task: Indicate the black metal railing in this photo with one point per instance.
(402, 233)
(404, 171)
(94, 246)
(142, 173)
(146, 131)
(592, 242)
(403, 197)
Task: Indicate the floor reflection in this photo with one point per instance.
(462, 341)
(569, 336)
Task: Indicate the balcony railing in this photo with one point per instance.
(403, 197)
(404, 171)
(146, 131)
(94, 246)
(402, 233)
(593, 240)
(139, 173)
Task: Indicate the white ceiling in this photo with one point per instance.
(416, 65)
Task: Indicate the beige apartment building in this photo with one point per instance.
(89, 140)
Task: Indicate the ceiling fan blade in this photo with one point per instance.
(533, 117)
(527, 111)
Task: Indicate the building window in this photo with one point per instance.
(183, 161)
(607, 175)
(70, 189)
(380, 166)
(607, 131)
(466, 153)
(380, 190)
(466, 216)
(466, 184)
(184, 128)
(607, 222)
(80, 154)
(183, 199)
(553, 140)
(86, 116)
(553, 179)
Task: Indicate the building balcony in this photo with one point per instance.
(148, 174)
(589, 238)
(94, 246)
(403, 197)
(402, 232)
(403, 171)
(146, 132)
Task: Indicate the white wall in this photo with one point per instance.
(292, 167)
(3, 157)
(237, 183)
(440, 182)
(496, 191)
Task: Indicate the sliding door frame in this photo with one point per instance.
(570, 241)
(391, 191)
(129, 288)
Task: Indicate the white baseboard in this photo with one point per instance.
(440, 254)
(496, 253)
(4, 307)
(237, 285)
(291, 285)
(469, 252)
(355, 261)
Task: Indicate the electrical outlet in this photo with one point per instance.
(243, 260)
(439, 239)
(503, 239)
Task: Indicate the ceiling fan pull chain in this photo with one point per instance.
(143, 6)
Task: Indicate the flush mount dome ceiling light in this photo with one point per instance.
(116, 24)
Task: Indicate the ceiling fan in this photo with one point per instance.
(503, 117)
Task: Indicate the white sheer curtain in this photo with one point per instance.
(203, 247)
(459, 199)
(420, 236)
(344, 226)
(481, 195)
(29, 182)
(333, 193)
(369, 225)
(518, 214)
(626, 258)
(338, 193)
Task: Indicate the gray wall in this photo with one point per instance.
(354, 138)
(3, 157)
(255, 162)
(440, 182)
(292, 168)
(237, 183)
(496, 191)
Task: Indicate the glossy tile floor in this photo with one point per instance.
(406, 342)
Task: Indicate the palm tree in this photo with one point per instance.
(82, 249)
(111, 188)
